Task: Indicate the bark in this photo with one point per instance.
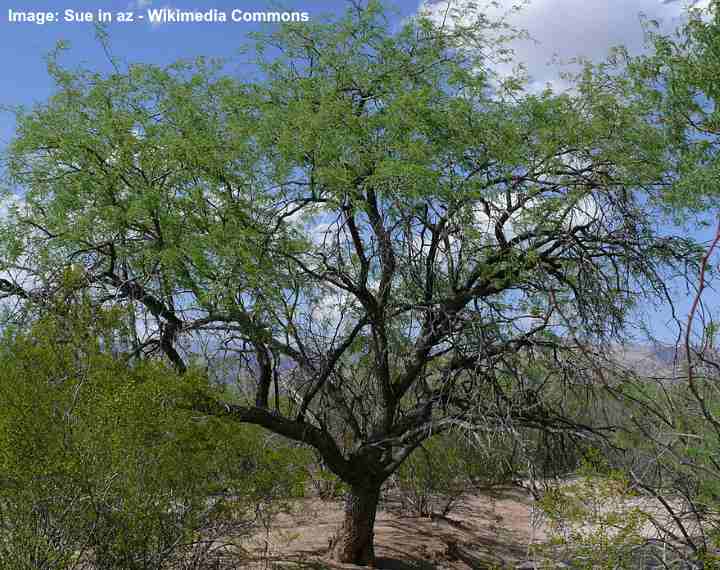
(354, 541)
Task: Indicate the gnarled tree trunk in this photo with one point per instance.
(354, 540)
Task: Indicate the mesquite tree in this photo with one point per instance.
(388, 239)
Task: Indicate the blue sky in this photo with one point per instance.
(561, 29)
(23, 46)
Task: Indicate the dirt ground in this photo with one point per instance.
(487, 529)
(492, 529)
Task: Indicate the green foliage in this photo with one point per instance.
(592, 519)
(443, 468)
(326, 484)
(675, 82)
(416, 245)
(101, 458)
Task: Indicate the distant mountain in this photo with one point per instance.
(655, 360)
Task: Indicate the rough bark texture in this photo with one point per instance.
(354, 541)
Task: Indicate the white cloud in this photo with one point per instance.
(527, 213)
(564, 29)
(693, 4)
(8, 204)
(14, 270)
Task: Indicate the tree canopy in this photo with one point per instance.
(373, 225)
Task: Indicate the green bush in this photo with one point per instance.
(439, 472)
(103, 460)
(592, 519)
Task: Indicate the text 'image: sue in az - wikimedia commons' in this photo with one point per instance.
(156, 16)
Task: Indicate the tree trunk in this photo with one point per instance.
(353, 543)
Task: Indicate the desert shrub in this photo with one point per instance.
(598, 520)
(102, 459)
(325, 483)
(591, 526)
(672, 458)
(438, 473)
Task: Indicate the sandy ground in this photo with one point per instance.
(488, 529)
(493, 528)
